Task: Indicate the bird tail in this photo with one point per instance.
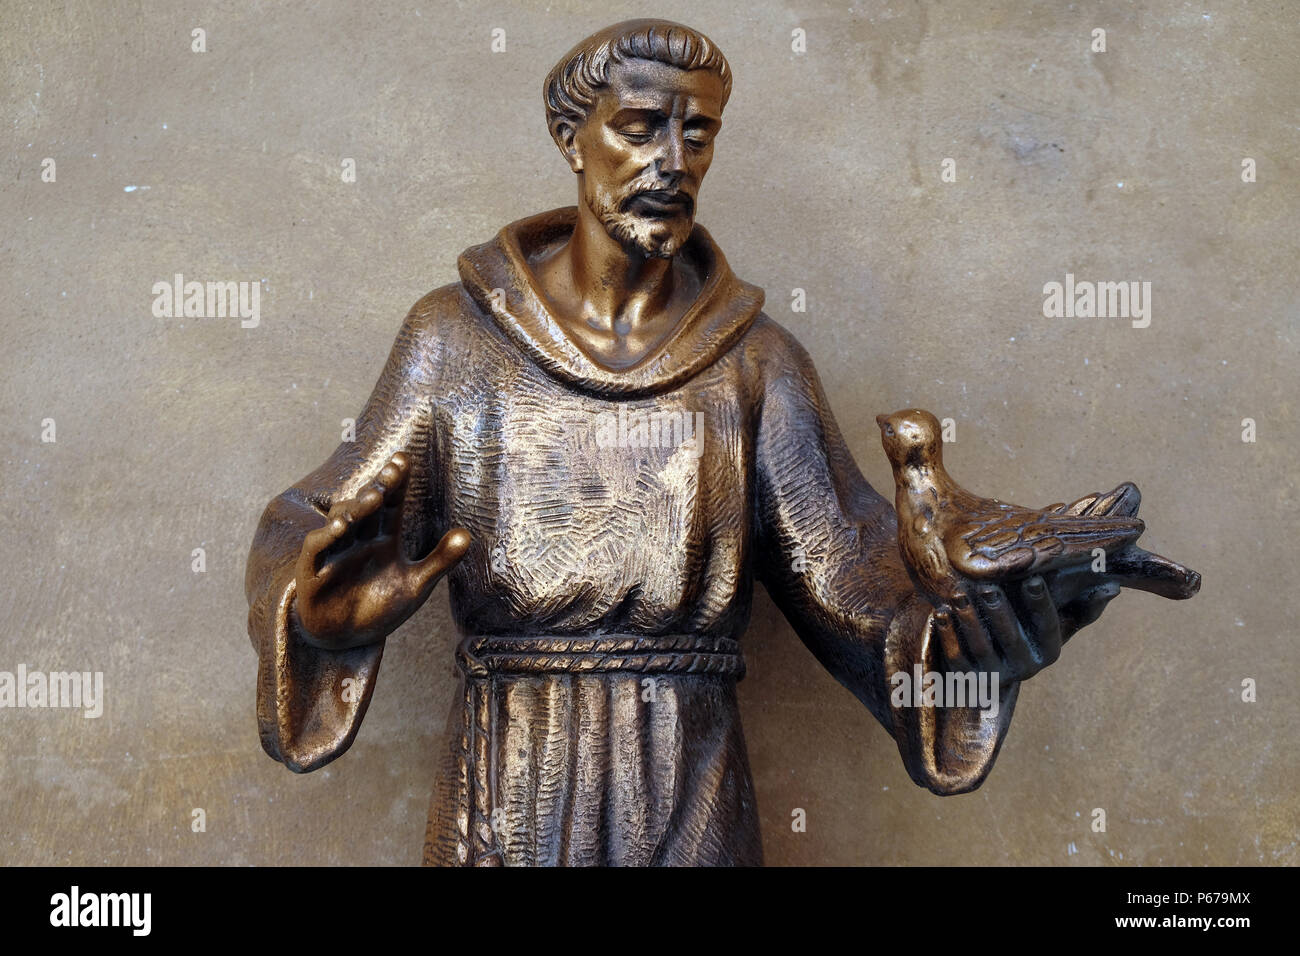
(1133, 567)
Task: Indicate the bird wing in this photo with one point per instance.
(1001, 541)
(1123, 501)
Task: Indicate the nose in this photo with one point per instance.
(672, 160)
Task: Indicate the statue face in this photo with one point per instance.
(643, 151)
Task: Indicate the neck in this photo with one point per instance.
(619, 290)
(918, 475)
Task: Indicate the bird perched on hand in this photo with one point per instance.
(951, 538)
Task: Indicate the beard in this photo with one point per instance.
(657, 237)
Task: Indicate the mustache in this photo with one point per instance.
(659, 192)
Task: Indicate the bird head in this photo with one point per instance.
(911, 437)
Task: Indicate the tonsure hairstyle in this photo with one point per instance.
(573, 83)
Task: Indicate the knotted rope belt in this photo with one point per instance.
(481, 659)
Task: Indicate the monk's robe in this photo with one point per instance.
(619, 520)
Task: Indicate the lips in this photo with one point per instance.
(660, 202)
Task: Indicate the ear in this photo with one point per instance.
(565, 134)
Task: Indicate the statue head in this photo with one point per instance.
(634, 109)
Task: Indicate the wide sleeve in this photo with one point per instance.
(829, 558)
(310, 700)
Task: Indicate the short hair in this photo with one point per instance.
(573, 84)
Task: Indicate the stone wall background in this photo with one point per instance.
(173, 433)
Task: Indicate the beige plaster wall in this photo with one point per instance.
(171, 434)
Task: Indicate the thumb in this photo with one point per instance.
(445, 556)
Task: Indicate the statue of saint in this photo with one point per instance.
(601, 441)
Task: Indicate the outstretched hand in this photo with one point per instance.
(354, 583)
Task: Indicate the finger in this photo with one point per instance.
(1080, 613)
(450, 549)
(342, 531)
(1039, 618)
(942, 629)
(974, 636)
(365, 513)
(392, 482)
(394, 474)
(314, 545)
(1000, 617)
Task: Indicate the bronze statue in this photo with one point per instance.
(600, 440)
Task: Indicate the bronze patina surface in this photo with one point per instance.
(601, 441)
